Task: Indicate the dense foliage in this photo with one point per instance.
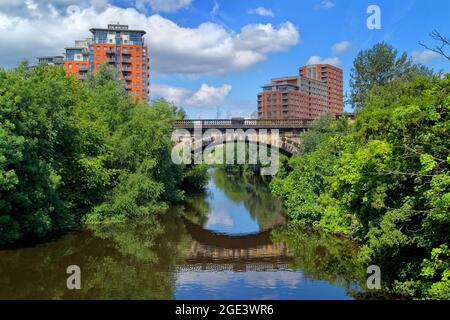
(378, 66)
(73, 151)
(385, 181)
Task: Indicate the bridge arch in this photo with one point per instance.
(286, 147)
(218, 240)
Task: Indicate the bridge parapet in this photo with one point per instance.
(259, 266)
(245, 124)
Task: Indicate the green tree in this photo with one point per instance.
(36, 149)
(378, 66)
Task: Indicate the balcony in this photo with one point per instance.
(110, 51)
(127, 77)
(126, 69)
(84, 69)
(126, 52)
(126, 60)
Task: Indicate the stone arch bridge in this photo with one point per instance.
(256, 131)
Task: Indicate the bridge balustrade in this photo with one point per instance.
(244, 123)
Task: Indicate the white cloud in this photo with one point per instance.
(220, 217)
(211, 282)
(206, 49)
(335, 61)
(216, 282)
(261, 11)
(211, 49)
(326, 4)
(287, 279)
(264, 38)
(205, 96)
(424, 56)
(340, 47)
(175, 95)
(209, 96)
(164, 5)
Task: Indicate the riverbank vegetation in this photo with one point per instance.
(73, 152)
(384, 179)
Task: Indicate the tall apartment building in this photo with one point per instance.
(316, 90)
(117, 46)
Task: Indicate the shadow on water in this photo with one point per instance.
(220, 245)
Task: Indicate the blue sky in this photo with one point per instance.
(212, 56)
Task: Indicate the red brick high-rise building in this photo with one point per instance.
(317, 89)
(120, 48)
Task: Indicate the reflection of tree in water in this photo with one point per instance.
(323, 256)
(133, 260)
(39, 272)
(253, 193)
(197, 207)
(149, 251)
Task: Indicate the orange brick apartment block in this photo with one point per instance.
(316, 90)
(118, 47)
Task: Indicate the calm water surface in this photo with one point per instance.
(229, 243)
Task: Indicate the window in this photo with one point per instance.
(70, 66)
(138, 75)
(98, 57)
(138, 49)
(98, 48)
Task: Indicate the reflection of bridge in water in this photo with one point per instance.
(211, 251)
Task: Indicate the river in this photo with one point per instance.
(230, 242)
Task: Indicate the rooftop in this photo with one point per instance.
(321, 65)
(116, 27)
